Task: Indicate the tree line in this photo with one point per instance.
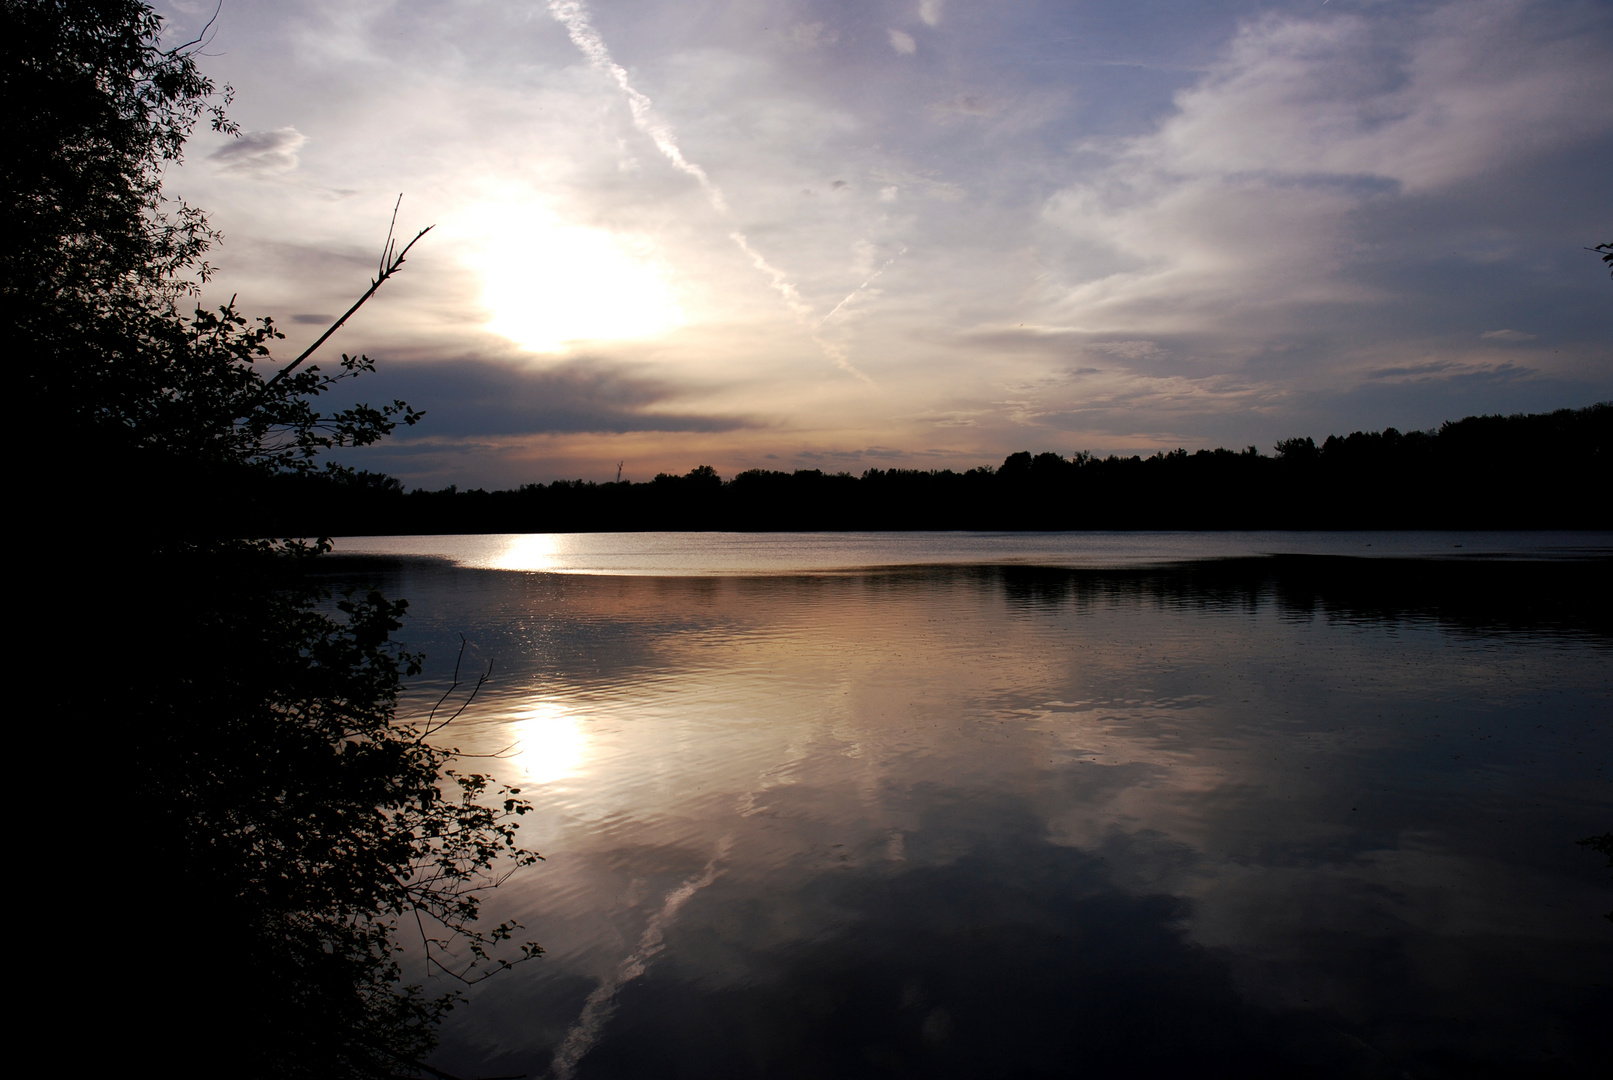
(1543, 470)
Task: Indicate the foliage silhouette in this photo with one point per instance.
(277, 791)
(1523, 471)
(270, 823)
(94, 272)
(1602, 845)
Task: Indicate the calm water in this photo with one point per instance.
(718, 554)
(1087, 811)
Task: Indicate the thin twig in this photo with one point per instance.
(432, 729)
(391, 262)
(481, 681)
(386, 248)
(454, 685)
(500, 754)
(200, 34)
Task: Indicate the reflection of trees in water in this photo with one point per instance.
(282, 823)
(1482, 596)
(1568, 596)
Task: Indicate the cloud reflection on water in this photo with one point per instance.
(1247, 813)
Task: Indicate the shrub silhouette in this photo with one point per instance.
(263, 822)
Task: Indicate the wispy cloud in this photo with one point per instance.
(1245, 197)
(807, 37)
(260, 153)
(965, 105)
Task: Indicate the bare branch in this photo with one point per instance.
(500, 754)
(452, 686)
(179, 50)
(391, 262)
(431, 726)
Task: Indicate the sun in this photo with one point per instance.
(550, 286)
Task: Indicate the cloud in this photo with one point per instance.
(1129, 350)
(902, 43)
(965, 105)
(472, 397)
(1254, 193)
(1466, 87)
(1507, 335)
(805, 37)
(1454, 369)
(930, 12)
(1436, 367)
(260, 153)
(928, 185)
(819, 458)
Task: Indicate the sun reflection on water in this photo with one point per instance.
(552, 742)
(531, 551)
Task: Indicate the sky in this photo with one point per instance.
(918, 234)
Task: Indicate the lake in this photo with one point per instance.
(823, 805)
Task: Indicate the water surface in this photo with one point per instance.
(1103, 812)
(724, 553)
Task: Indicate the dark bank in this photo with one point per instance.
(1541, 471)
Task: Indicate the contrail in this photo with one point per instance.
(781, 283)
(571, 15)
(837, 355)
(574, 17)
(596, 1010)
(602, 1002)
(863, 286)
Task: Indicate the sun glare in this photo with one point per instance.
(549, 285)
(552, 742)
(529, 551)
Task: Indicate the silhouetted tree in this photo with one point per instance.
(269, 820)
(97, 264)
